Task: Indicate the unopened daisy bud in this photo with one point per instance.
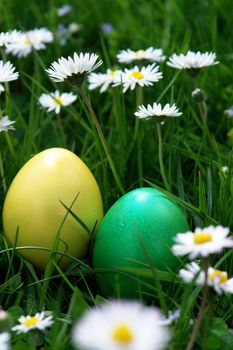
(199, 95)
(5, 321)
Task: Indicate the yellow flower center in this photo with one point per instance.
(112, 73)
(32, 321)
(202, 237)
(136, 53)
(122, 334)
(26, 41)
(137, 75)
(222, 275)
(58, 100)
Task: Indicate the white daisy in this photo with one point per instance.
(7, 37)
(38, 321)
(144, 76)
(192, 61)
(229, 112)
(74, 28)
(121, 325)
(156, 110)
(4, 341)
(7, 73)
(21, 44)
(38, 37)
(225, 169)
(55, 100)
(64, 10)
(215, 278)
(2, 39)
(172, 317)
(6, 124)
(103, 80)
(151, 54)
(202, 242)
(74, 68)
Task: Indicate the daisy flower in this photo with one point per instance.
(2, 39)
(192, 61)
(121, 325)
(55, 100)
(64, 10)
(144, 76)
(202, 242)
(38, 37)
(151, 54)
(22, 44)
(73, 69)
(106, 27)
(172, 317)
(6, 124)
(7, 73)
(38, 321)
(156, 110)
(103, 80)
(4, 341)
(7, 37)
(215, 278)
(229, 112)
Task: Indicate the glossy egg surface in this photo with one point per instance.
(33, 213)
(138, 229)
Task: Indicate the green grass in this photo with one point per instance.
(193, 166)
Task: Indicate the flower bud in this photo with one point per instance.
(199, 95)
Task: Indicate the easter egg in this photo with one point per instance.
(137, 231)
(53, 198)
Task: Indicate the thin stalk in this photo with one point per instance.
(138, 135)
(8, 140)
(9, 144)
(60, 127)
(102, 138)
(202, 108)
(202, 308)
(2, 173)
(161, 164)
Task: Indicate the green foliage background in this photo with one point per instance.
(193, 167)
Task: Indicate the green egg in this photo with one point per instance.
(138, 229)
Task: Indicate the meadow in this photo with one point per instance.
(188, 157)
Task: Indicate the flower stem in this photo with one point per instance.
(60, 127)
(158, 125)
(202, 108)
(202, 308)
(2, 173)
(102, 138)
(138, 135)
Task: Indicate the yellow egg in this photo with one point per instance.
(33, 213)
